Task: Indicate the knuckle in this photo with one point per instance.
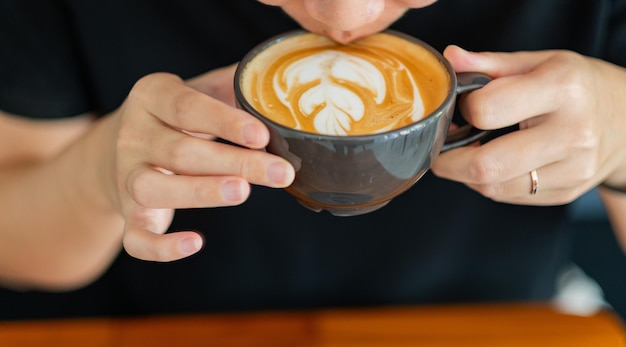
(582, 147)
(499, 192)
(574, 85)
(203, 194)
(480, 111)
(178, 154)
(483, 170)
(491, 191)
(567, 197)
(144, 86)
(583, 137)
(246, 165)
(141, 88)
(586, 173)
(182, 105)
(138, 188)
(573, 92)
(573, 89)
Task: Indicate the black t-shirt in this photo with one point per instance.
(438, 242)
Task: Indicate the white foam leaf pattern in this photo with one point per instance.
(336, 108)
(333, 105)
(362, 72)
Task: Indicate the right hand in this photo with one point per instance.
(165, 158)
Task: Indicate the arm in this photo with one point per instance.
(72, 192)
(53, 234)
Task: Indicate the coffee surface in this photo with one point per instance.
(378, 83)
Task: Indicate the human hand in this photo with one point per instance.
(165, 158)
(571, 113)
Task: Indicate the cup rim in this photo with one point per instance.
(431, 117)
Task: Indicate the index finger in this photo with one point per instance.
(525, 84)
(180, 106)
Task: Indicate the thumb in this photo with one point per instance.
(494, 64)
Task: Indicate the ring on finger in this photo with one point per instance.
(534, 182)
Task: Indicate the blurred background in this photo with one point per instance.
(597, 253)
(597, 278)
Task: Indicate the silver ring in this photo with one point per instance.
(534, 182)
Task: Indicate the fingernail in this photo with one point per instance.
(232, 191)
(278, 173)
(190, 245)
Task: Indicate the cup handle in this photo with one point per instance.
(466, 134)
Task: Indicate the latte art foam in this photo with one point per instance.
(375, 84)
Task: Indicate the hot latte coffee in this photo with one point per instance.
(375, 84)
(360, 123)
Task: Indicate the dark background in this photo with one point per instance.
(595, 251)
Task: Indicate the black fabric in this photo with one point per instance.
(438, 242)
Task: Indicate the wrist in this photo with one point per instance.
(613, 188)
(90, 163)
(616, 183)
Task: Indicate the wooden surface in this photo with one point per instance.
(472, 325)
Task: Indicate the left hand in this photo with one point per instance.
(571, 111)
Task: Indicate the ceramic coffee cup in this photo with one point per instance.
(360, 123)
